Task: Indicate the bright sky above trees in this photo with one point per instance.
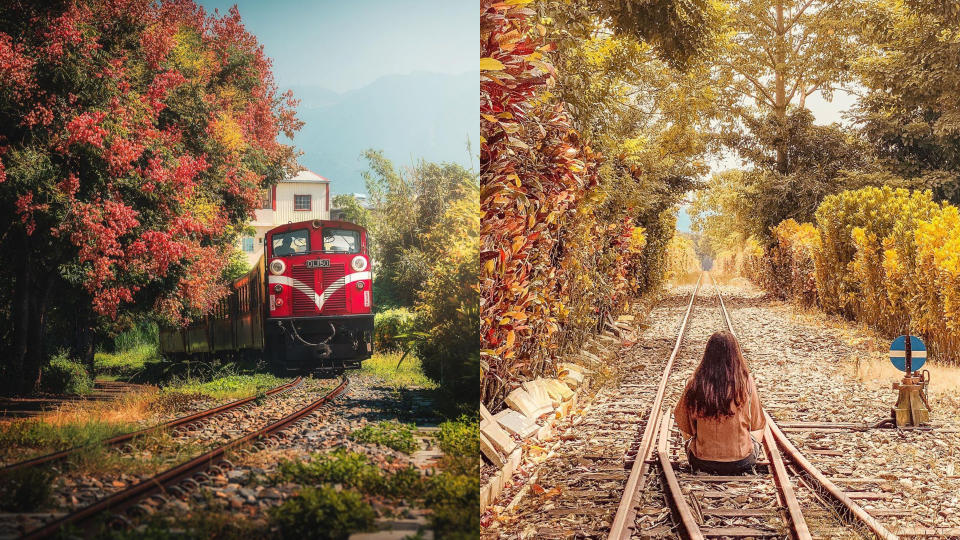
(346, 45)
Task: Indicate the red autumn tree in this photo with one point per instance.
(135, 139)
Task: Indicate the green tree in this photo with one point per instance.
(779, 53)
(909, 111)
(352, 211)
(405, 207)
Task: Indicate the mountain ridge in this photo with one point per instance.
(419, 115)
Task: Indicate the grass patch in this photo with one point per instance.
(354, 470)
(58, 436)
(391, 434)
(409, 375)
(126, 363)
(227, 387)
(323, 513)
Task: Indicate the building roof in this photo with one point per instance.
(306, 175)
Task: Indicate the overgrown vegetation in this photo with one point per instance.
(389, 433)
(424, 227)
(63, 375)
(224, 386)
(355, 470)
(451, 494)
(127, 362)
(591, 136)
(460, 438)
(885, 257)
(392, 328)
(324, 513)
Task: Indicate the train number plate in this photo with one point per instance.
(318, 263)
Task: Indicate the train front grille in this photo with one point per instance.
(337, 302)
(304, 304)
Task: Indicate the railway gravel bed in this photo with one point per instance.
(245, 492)
(804, 368)
(82, 485)
(804, 372)
(580, 486)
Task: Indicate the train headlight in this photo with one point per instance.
(359, 263)
(360, 285)
(278, 288)
(277, 266)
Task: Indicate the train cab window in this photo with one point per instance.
(291, 243)
(341, 241)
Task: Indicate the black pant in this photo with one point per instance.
(724, 467)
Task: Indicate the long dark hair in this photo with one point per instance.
(720, 382)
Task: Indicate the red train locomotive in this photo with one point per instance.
(306, 305)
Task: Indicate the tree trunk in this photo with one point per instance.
(83, 347)
(28, 311)
(20, 316)
(780, 108)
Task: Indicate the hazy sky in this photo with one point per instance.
(346, 45)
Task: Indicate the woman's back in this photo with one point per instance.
(722, 437)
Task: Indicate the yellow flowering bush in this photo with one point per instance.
(936, 300)
(856, 227)
(682, 261)
(887, 257)
(791, 262)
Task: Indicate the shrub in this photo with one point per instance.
(853, 226)
(390, 323)
(65, 376)
(885, 257)
(460, 437)
(456, 508)
(323, 513)
(791, 261)
(390, 434)
(25, 490)
(143, 333)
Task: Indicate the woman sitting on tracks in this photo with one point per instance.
(718, 410)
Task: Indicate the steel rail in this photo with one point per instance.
(124, 437)
(772, 433)
(127, 497)
(785, 491)
(675, 494)
(627, 511)
(818, 477)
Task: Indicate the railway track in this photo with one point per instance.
(180, 479)
(772, 508)
(182, 423)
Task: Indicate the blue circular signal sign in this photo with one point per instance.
(898, 353)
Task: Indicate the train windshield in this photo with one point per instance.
(291, 243)
(341, 241)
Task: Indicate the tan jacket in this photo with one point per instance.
(726, 438)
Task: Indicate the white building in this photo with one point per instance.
(299, 198)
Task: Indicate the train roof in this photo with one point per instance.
(312, 222)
